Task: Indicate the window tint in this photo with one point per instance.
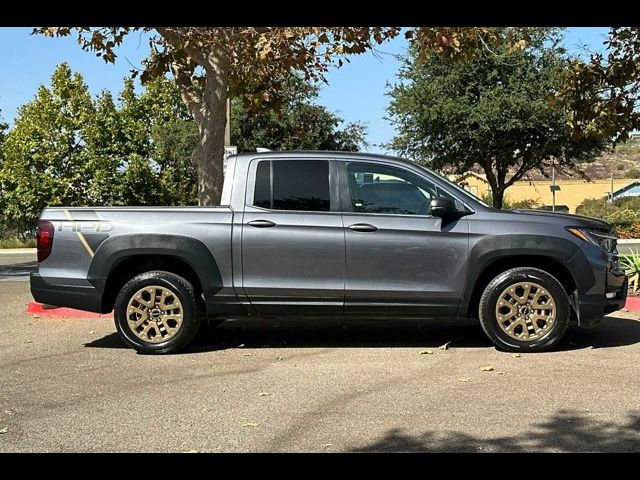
(379, 188)
(301, 185)
(262, 192)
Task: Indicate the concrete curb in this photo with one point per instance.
(13, 251)
(39, 309)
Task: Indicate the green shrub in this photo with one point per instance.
(623, 214)
(526, 203)
(509, 205)
(633, 173)
(17, 243)
(631, 265)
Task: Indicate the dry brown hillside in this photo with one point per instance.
(624, 162)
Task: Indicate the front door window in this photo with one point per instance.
(377, 188)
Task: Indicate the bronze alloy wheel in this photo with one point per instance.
(154, 314)
(526, 311)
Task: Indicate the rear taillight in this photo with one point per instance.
(45, 239)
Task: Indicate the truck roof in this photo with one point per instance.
(315, 154)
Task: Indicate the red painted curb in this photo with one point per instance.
(39, 309)
(633, 303)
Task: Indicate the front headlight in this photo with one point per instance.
(601, 238)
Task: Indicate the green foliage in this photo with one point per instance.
(299, 124)
(3, 135)
(601, 95)
(15, 242)
(527, 203)
(623, 214)
(493, 111)
(45, 159)
(631, 265)
(173, 141)
(633, 173)
(625, 210)
(68, 148)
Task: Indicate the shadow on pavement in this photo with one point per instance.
(362, 333)
(18, 269)
(565, 431)
(112, 340)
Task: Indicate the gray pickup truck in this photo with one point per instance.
(330, 234)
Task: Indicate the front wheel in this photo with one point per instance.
(157, 312)
(524, 309)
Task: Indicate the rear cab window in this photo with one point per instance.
(298, 185)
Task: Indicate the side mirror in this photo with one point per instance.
(444, 208)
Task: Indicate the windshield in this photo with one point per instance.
(455, 186)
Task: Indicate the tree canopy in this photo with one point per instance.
(600, 96)
(69, 148)
(299, 124)
(211, 64)
(493, 111)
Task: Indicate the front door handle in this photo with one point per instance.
(261, 223)
(363, 227)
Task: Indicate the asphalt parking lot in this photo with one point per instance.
(69, 384)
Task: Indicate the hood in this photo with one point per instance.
(571, 219)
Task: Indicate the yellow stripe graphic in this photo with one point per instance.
(80, 236)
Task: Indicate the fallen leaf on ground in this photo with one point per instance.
(191, 451)
(264, 394)
(426, 352)
(3, 430)
(516, 355)
(36, 316)
(501, 373)
(327, 445)
(445, 346)
(464, 379)
(251, 424)
(91, 332)
(487, 368)
(29, 341)
(247, 354)
(241, 345)
(280, 357)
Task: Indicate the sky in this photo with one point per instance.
(356, 92)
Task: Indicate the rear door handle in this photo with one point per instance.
(261, 223)
(363, 227)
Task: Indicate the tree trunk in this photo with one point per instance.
(498, 197)
(208, 155)
(208, 159)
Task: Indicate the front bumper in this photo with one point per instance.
(73, 296)
(592, 307)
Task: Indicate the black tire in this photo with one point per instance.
(492, 293)
(191, 312)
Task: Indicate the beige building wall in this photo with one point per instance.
(571, 194)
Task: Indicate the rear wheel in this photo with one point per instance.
(524, 309)
(157, 312)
